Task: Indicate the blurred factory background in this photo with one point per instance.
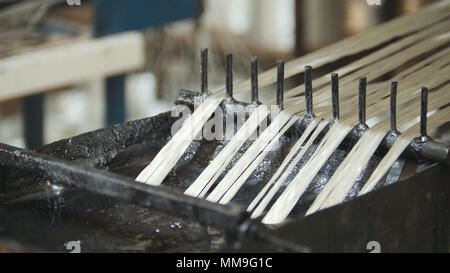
(34, 111)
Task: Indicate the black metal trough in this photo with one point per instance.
(409, 215)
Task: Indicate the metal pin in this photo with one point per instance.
(308, 91)
(280, 83)
(204, 71)
(229, 76)
(335, 95)
(254, 79)
(423, 113)
(394, 106)
(362, 100)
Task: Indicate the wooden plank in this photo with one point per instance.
(63, 65)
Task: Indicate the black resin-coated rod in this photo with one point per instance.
(430, 150)
(394, 106)
(362, 100)
(335, 95)
(204, 71)
(229, 76)
(254, 79)
(280, 83)
(423, 112)
(308, 91)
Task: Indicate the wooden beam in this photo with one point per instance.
(72, 63)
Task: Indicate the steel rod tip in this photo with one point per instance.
(204, 71)
(308, 91)
(229, 75)
(335, 95)
(362, 100)
(393, 101)
(254, 79)
(280, 83)
(423, 113)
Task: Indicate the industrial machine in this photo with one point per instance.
(83, 189)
